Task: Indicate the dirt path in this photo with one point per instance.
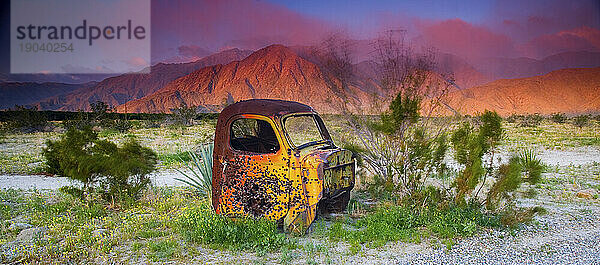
(576, 157)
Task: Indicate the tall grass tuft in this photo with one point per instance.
(198, 170)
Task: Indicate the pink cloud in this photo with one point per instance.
(465, 39)
(580, 39)
(137, 62)
(244, 24)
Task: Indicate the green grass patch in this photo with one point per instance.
(173, 159)
(201, 225)
(397, 223)
(162, 249)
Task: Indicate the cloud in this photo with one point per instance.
(526, 20)
(187, 30)
(465, 39)
(580, 39)
(75, 69)
(244, 24)
(192, 51)
(137, 62)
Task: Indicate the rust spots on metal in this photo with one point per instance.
(258, 172)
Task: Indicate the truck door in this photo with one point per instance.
(256, 169)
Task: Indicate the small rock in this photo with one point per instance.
(19, 226)
(30, 234)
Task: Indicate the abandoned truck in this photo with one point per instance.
(275, 159)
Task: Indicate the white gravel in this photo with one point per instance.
(40, 182)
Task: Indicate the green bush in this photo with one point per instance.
(581, 120)
(121, 125)
(558, 117)
(201, 225)
(117, 172)
(513, 118)
(532, 166)
(508, 179)
(532, 120)
(184, 115)
(470, 145)
(81, 121)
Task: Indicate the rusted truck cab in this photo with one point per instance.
(275, 159)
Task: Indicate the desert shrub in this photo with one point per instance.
(99, 111)
(121, 125)
(581, 120)
(512, 217)
(475, 151)
(81, 121)
(405, 153)
(531, 120)
(470, 145)
(184, 115)
(201, 225)
(2, 132)
(558, 117)
(508, 179)
(198, 170)
(100, 116)
(27, 119)
(399, 148)
(513, 118)
(117, 172)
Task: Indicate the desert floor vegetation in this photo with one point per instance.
(176, 225)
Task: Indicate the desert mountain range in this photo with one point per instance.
(276, 71)
(573, 90)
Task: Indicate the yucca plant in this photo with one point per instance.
(198, 170)
(532, 166)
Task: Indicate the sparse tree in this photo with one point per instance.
(401, 146)
(99, 110)
(185, 114)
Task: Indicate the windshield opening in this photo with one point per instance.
(303, 129)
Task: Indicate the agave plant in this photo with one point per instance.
(532, 166)
(198, 170)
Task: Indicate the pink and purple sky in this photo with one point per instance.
(186, 30)
(471, 28)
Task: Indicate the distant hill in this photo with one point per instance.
(295, 73)
(277, 72)
(26, 93)
(502, 68)
(274, 72)
(120, 89)
(575, 90)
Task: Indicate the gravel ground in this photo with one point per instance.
(160, 178)
(568, 234)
